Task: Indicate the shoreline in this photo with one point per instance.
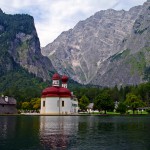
(31, 114)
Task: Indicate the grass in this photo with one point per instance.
(137, 112)
(129, 112)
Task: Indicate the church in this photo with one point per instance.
(57, 99)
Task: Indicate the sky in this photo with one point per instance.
(52, 17)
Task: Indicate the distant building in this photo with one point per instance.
(90, 107)
(7, 105)
(58, 99)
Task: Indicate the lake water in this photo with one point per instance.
(75, 132)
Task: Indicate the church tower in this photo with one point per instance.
(56, 79)
(64, 80)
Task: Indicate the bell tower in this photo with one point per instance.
(56, 80)
(64, 80)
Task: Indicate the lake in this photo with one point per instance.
(75, 132)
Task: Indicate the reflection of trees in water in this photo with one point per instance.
(123, 130)
(17, 132)
(57, 132)
(7, 127)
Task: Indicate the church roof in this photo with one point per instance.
(64, 92)
(64, 79)
(56, 76)
(51, 92)
(57, 91)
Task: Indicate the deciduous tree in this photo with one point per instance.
(104, 101)
(83, 102)
(133, 101)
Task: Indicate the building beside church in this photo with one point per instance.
(7, 105)
(58, 99)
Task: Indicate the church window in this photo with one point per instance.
(63, 103)
(43, 103)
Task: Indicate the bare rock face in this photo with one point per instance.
(140, 35)
(109, 48)
(132, 64)
(25, 50)
(19, 42)
(81, 51)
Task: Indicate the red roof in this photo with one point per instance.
(56, 92)
(51, 92)
(64, 92)
(64, 79)
(56, 76)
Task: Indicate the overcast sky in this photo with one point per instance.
(55, 16)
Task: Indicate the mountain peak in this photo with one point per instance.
(1, 10)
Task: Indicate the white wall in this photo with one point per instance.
(52, 106)
(42, 108)
(67, 105)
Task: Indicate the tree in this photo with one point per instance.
(133, 101)
(122, 108)
(25, 105)
(37, 104)
(83, 102)
(104, 101)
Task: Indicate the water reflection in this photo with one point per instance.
(58, 131)
(94, 132)
(19, 132)
(74, 132)
(5, 127)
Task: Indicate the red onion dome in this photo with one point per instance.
(50, 92)
(56, 76)
(64, 79)
(64, 92)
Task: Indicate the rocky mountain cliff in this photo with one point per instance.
(132, 64)
(19, 46)
(86, 52)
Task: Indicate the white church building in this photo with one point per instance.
(58, 99)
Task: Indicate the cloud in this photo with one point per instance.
(55, 16)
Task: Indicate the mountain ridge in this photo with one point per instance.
(81, 51)
(18, 38)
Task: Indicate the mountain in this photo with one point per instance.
(132, 64)
(19, 45)
(23, 69)
(86, 52)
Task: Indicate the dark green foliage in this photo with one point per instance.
(83, 102)
(104, 101)
(34, 104)
(118, 56)
(122, 108)
(116, 94)
(148, 110)
(147, 74)
(133, 101)
(21, 85)
(14, 24)
(138, 62)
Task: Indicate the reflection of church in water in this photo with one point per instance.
(58, 99)
(58, 132)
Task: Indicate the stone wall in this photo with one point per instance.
(8, 109)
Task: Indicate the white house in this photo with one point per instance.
(58, 99)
